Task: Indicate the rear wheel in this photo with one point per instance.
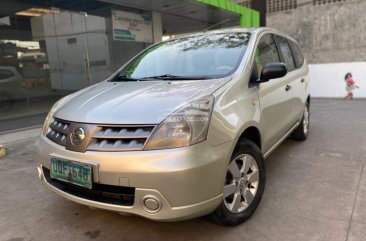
(302, 131)
(244, 185)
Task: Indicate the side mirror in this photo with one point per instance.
(273, 71)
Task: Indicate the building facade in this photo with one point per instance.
(332, 35)
(51, 48)
(328, 31)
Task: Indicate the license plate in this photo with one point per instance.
(72, 172)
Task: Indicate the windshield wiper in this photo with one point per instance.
(176, 77)
(159, 77)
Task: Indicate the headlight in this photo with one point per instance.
(186, 126)
(50, 114)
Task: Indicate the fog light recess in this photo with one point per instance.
(151, 204)
(2, 151)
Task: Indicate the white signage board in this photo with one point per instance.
(131, 27)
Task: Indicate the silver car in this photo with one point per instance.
(11, 88)
(182, 129)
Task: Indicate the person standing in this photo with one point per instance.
(350, 86)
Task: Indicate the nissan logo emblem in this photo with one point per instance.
(77, 136)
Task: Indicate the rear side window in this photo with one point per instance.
(266, 52)
(4, 74)
(286, 52)
(298, 56)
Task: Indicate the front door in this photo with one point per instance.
(275, 99)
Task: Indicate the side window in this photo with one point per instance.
(298, 56)
(4, 74)
(266, 53)
(286, 52)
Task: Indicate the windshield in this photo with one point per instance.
(197, 57)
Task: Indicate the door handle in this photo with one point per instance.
(288, 87)
(302, 80)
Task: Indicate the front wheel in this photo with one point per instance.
(244, 185)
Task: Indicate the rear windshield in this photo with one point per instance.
(197, 57)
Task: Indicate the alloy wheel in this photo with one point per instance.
(241, 183)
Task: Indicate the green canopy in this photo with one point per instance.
(248, 17)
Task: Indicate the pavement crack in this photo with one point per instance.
(355, 199)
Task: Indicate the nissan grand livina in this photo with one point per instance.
(182, 129)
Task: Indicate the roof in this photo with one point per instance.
(253, 31)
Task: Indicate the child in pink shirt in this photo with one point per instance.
(350, 86)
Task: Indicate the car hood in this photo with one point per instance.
(141, 102)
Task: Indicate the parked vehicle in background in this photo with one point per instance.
(182, 129)
(10, 86)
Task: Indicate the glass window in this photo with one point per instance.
(286, 52)
(266, 52)
(204, 56)
(51, 49)
(5, 74)
(298, 56)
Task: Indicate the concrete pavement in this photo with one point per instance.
(21, 122)
(6, 138)
(316, 190)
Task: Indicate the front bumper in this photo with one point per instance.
(186, 182)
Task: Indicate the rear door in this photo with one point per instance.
(293, 79)
(301, 84)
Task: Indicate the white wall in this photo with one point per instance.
(327, 80)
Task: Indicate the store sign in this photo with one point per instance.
(131, 27)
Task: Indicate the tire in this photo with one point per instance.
(5, 101)
(244, 185)
(302, 131)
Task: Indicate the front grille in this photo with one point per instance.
(100, 137)
(120, 138)
(57, 131)
(124, 196)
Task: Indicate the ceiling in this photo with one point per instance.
(187, 8)
(178, 16)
